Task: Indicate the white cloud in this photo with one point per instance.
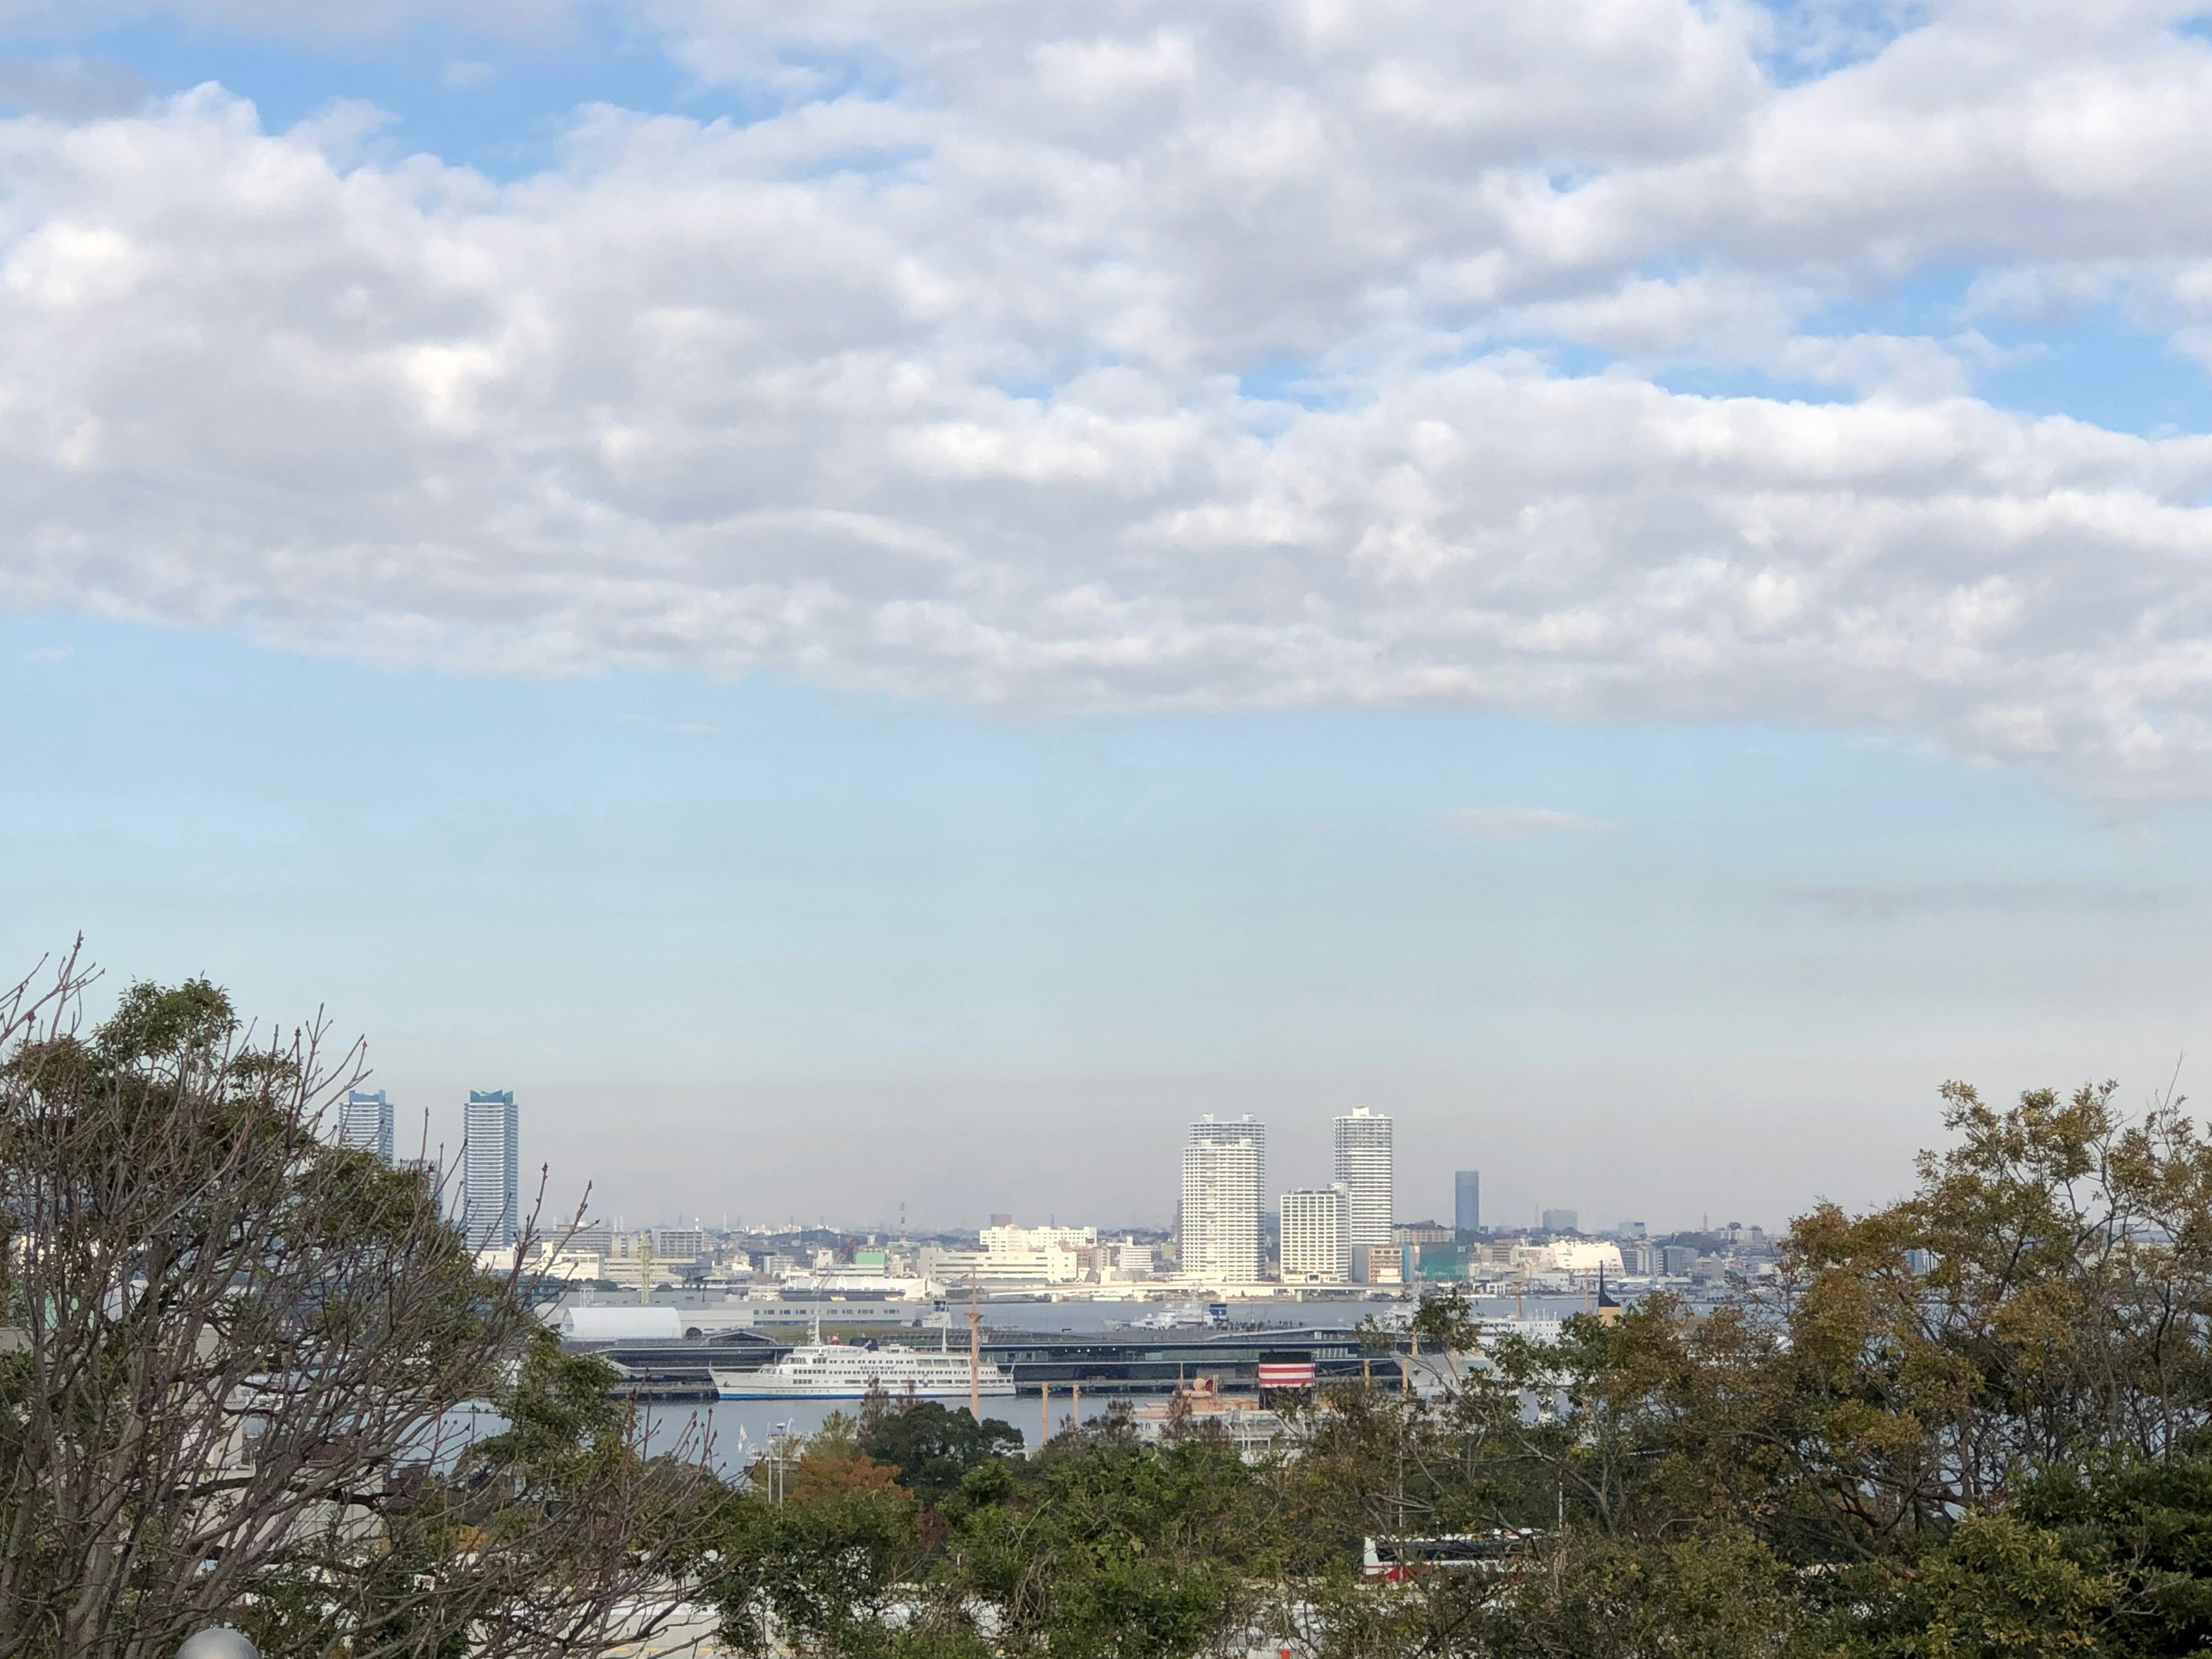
(1516, 823)
(939, 386)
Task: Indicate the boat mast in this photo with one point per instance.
(974, 1351)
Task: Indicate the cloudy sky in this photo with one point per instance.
(872, 602)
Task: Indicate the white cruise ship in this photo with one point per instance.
(839, 1370)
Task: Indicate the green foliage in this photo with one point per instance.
(1997, 1588)
(240, 1357)
(813, 1577)
(164, 1025)
(933, 1447)
(2148, 1523)
(1106, 1551)
(1716, 1593)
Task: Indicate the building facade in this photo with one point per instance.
(681, 1244)
(365, 1122)
(490, 1170)
(1224, 1167)
(1562, 1221)
(1365, 1170)
(1316, 1237)
(1004, 1238)
(1466, 1204)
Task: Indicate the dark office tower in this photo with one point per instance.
(1467, 1205)
(490, 1170)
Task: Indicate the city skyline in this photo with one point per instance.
(1361, 1142)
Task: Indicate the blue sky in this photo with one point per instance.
(876, 608)
(781, 920)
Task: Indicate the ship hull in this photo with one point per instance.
(801, 1389)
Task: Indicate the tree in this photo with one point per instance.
(1101, 1549)
(932, 1447)
(243, 1362)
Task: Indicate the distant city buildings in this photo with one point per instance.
(1316, 1243)
(1466, 1204)
(1420, 1232)
(1583, 1255)
(365, 1122)
(681, 1243)
(1363, 1170)
(1016, 1255)
(1224, 1171)
(490, 1170)
(1315, 1232)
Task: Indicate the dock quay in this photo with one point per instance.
(1125, 1362)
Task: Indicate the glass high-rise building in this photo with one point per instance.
(1466, 1204)
(365, 1122)
(490, 1170)
(1224, 1169)
(1363, 1170)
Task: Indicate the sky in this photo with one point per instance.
(874, 605)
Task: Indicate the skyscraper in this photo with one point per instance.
(1363, 1170)
(1466, 1204)
(490, 1170)
(1316, 1238)
(1223, 1167)
(365, 1122)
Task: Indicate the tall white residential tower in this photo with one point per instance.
(1224, 1166)
(1316, 1237)
(365, 1122)
(490, 1170)
(1363, 1170)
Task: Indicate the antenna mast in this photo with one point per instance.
(974, 1351)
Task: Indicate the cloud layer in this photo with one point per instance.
(1099, 357)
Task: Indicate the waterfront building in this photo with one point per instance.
(1316, 1236)
(1466, 1204)
(1008, 1264)
(490, 1170)
(1224, 1170)
(1002, 1237)
(365, 1122)
(1363, 1170)
(1121, 1260)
